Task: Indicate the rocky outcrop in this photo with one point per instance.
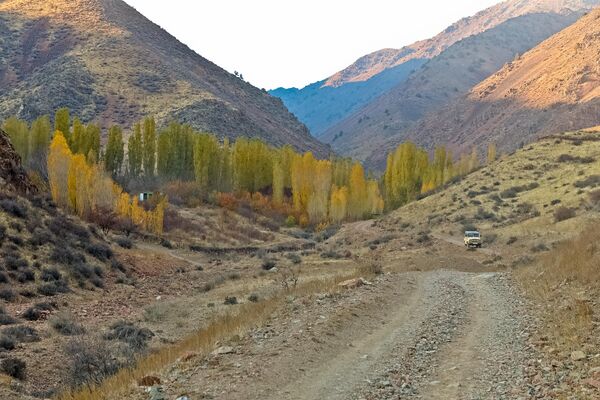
(12, 174)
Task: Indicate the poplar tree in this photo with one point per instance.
(134, 151)
(62, 123)
(114, 154)
(149, 147)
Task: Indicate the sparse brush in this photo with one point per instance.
(14, 367)
(64, 324)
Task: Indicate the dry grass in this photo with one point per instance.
(245, 317)
(564, 282)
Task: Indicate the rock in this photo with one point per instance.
(578, 355)
(148, 381)
(223, 350)
(156, 393)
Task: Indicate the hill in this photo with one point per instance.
(107, 62)
(552, 88)
(323, 104)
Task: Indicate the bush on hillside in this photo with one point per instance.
(563, 213)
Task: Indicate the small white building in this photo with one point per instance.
(145, 196)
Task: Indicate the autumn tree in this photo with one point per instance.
(59, 162)
(338, 208)
(357, 193)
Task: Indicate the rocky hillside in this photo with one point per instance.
(552, 88)
(105, 61)
(324, 104)
(12, 175)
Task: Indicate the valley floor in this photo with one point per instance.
(424, 335)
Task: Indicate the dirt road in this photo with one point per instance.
(424, 335)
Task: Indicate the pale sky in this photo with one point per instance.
(285, 43)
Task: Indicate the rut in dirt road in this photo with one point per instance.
(459, 336)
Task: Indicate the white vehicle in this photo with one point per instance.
(472, 239)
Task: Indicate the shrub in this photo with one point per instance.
(575, 159)
(64, 324)
(13, 262)
(563, 213)
(137, 338)
(230, 300)
(595, 197)
(21, 333)
(53, 288)
(8, 295)
(63, 227)
(294, 258)
(6, 319)
(290, 221)
(63, 255)
(590, 181)
(7, 343)
(89, 362)
(100, 251)
(511, 240)
(124, 242)
(14, 367)
(539, 248)
(331, 254)
(41, 237)
(253, 298)
(50, 275)
(166, 244)
(509, 193)
(268, 264)
(37, 311)
(555, 202)
(26, 275)
(13, 207)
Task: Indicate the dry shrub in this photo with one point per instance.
(563, 213)
(227, 201)
(558, 279)
(188, 194)
(173, 220)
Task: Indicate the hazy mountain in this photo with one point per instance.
(323, 104)
(106, 61)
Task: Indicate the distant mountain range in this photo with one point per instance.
(107, 62)
(553, 88)
(367, 108)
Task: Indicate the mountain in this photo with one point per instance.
(107, 62)
(324, 104)
(552, 88)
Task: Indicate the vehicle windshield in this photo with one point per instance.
(472, 234)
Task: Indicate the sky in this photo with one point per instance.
(282, 43)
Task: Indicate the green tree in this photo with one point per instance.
(149, 147)
(62, 123)
(134, 151)
(114, 151)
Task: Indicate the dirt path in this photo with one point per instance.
(426, 335)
